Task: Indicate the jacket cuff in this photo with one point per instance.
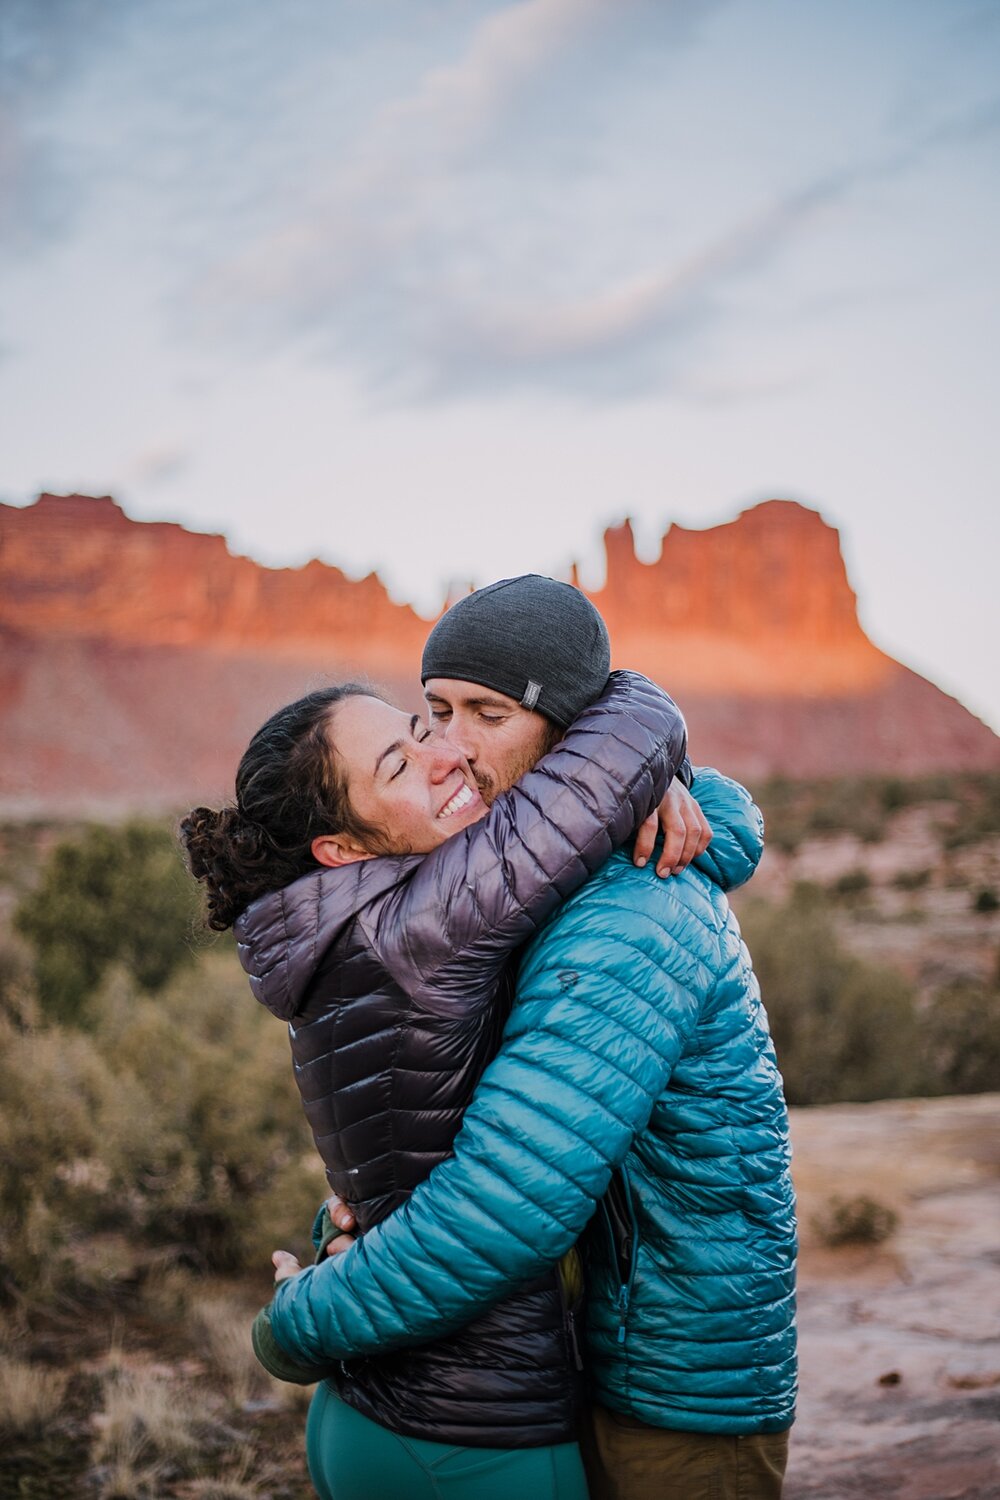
(322, 1224)
(274, 1359)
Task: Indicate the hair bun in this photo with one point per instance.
(226, 850)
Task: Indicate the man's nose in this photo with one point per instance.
(459, 736)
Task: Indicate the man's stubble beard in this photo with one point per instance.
(548, 736)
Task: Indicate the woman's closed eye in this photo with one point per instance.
(420, 734)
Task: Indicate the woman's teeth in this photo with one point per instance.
(461, 799)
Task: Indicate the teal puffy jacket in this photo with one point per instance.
(638, 1042)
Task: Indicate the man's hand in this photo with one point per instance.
(686, 832)
(343, 1218)
(285, 1265)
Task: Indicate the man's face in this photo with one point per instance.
(500, 739)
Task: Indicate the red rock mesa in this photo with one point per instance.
(137, 658)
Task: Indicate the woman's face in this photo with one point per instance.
(402, 778)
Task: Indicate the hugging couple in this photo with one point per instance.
(534, 1058)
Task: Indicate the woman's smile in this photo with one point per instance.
(463, 798)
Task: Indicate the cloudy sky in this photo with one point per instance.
(445, 286)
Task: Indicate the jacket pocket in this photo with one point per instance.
(618, 1210)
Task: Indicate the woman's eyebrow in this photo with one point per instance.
(396, 744)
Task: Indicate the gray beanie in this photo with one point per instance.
(531, 638)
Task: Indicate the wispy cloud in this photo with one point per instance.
(471, 231)
(44, 47)
(433, 272)
(406, 164)
(407, 261)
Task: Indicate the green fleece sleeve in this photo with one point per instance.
(274, 1359)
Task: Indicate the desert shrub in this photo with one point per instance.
(63, 1111)
(986, 901)
(17, 989)
(173, 1122)
(863, 805)
(860, 1220)
(852, 883)
(911, 880)
(976, 812)
(798, 810)
(110, 895)
(895, 794)
(961, 1039)
(843, 1029)
(229, 1166)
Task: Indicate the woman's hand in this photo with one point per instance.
(285, 1265)
(342, 1218)
(686, 832)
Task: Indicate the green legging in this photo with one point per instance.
(353, 1458)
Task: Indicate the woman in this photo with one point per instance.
(389, 967)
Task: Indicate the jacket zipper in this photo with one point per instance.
(623, 1244)
(574, 1342)
(570, 1305)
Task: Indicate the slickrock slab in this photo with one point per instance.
(900, 1343)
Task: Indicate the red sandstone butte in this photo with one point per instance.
(74, 565)
(137, 658)
(762, 601)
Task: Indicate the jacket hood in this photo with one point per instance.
(283, 936)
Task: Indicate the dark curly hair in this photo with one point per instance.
(289, 790)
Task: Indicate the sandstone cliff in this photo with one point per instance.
(137, 658)
(761, 602)
(73, 565)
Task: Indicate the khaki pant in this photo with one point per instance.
(626, 1459)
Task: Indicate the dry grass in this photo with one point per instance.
(222, 1489)
(238, 1485)
(146, 1421)
(126, 1480)
(30, 1398)
(167, 1293)
(225, 1323)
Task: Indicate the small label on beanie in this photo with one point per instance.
(531, 694)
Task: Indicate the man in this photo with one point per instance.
(637, 1045)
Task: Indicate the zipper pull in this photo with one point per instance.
(622, 1311)
(574, 1341)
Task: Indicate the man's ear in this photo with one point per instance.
(333, 850)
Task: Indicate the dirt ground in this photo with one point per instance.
(900, 1343)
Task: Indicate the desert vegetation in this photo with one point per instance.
(965, 806)
(152, 1154)
(153, 1150)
